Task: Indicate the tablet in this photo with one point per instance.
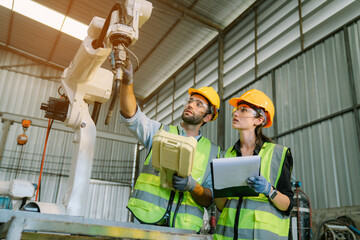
(229, 175)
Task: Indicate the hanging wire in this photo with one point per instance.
(137, 60)
(19, 162)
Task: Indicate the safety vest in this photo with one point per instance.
(151, 203)
(258, 219)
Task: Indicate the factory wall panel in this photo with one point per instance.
(313, 85)
(326, 161)
(278, 36)
(278, 33)
(206, 68)
(239, 49)
(322, 17)
(111, 162)
(149, 105)
(108, 201)
(19, 159)
(165, 97)
(354, 39)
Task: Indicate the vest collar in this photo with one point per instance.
(257, 149)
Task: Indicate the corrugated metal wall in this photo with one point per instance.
(109, 201)
(22, 90)
(308, 78)
(354, 39)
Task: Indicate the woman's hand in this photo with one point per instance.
(259, 184)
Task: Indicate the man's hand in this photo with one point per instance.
(259, 184)
(128, 75)
(183, 184)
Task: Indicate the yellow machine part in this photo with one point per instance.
(172, 154)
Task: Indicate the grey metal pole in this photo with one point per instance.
(15, 229)
(221, 116)
(5, 132)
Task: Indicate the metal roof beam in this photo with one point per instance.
(191, 14)
(163, 37)
(59, 33)
(32, 57)
(10, 24)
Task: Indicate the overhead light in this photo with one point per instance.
(48, 17)
(6, 3)
(74, 28)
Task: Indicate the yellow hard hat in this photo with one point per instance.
(258, 99)
(211, 95)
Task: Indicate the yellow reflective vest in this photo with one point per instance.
(152, 204)
(258, 219)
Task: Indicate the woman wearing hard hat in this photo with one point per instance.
(265, 216)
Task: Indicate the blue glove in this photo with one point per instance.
(259, 184)
(128, 73)
(183, 184)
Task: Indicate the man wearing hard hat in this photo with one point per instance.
(150, 203)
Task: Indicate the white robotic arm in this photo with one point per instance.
(137, 13)
(85, 82)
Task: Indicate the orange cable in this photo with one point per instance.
(42, 161)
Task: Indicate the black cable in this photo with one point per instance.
(237, 216)
(23, 202)
(95, 112)
(346, 220)
(100, 40)
(181, 197)
(168, 209)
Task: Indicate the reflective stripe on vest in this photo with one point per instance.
(150, 201)
(228, 233)
(258, 218)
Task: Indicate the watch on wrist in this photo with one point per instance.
(273, 194)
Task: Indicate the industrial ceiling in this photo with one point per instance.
(175, 32)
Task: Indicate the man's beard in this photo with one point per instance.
(193, 119)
